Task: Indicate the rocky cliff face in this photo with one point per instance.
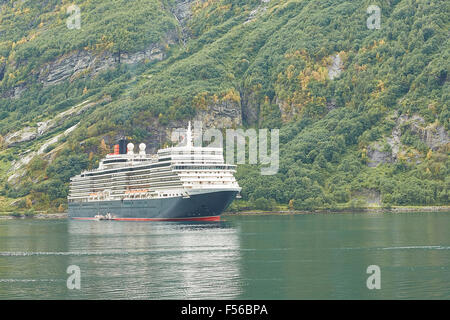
(182, 12)
(32, 133)
(377, 154)
(28, 155)
(85, 63)
(223, 114)
(250, 106)
(434, 136)
(258, 11)
(15, 92)
(82, 63)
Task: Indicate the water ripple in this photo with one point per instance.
(31, 280)
(120, 252)
(399, 248)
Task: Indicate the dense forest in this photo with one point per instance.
(363, 111)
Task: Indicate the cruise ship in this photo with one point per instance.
(176, 184)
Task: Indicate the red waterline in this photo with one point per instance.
(215, 218)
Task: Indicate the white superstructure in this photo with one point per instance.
(172, 172)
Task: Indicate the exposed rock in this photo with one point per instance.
(24, 135)
(223, 114)
(394, 141)
(377, 155)
(76, 64)
(151, 53)
(15, 92)
(46, 126)
(433, 135)
(250, 106)
(182, 12)
(371, 197)
(31, 133)
(254, 13)
(27, 156)
(64, 68)
(16, 165)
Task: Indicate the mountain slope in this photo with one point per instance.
(363, 113)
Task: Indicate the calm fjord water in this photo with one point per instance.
(321, 256)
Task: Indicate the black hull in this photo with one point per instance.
(206, 206)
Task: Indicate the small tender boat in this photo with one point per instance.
(107, 216)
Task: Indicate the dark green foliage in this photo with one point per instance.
(30, 213)
(67, 166)
(277, 62)
(15, 214)
(263, 204)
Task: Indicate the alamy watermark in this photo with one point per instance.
(74, 280)
(374, 281)
(235, 140)
(74, 20)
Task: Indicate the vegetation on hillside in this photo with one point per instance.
(275, 67)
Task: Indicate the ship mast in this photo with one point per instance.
(189, 136)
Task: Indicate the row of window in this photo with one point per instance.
(190, 167)
(93, 174)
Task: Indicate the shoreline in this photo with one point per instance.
(346, 210)
(64, 215)
(48, 216)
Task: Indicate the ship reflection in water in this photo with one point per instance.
(157, 260)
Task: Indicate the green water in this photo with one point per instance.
(322, 256)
